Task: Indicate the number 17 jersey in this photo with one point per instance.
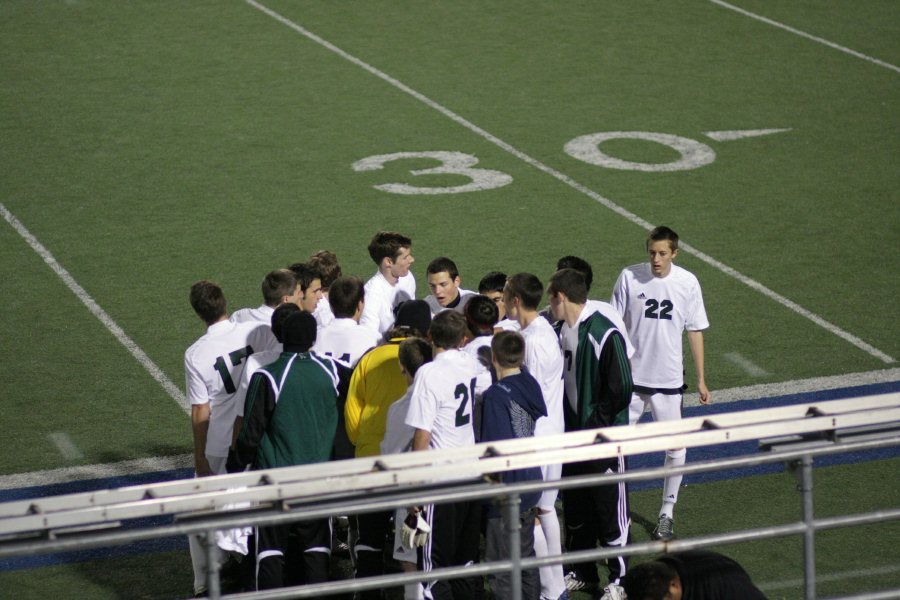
(656, 312)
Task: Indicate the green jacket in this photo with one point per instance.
(603, 376)
(290, 414)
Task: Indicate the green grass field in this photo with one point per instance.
(146, 145)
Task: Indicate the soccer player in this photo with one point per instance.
(413, 352)
(310, 286)
(440, 410)
(376, 384)
(443, 281)
(326, 264)
(598, 390)
(544, 360)
(691, 575)
(392, 284)
(212, 365)
(604, 308)
(278, 286)
(511, 408)
(344, 338)
(481, 318)
(301, 431)
(659, 300)
(491, 285)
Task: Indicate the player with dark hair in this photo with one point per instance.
(443, 281)
(512, 406)
(392, 284)
(691, 575)
(326, 264)
(440, 410)
(301, 431)
(310, 286)
(344, 338)
(658, 301)
(544, 360)
(213, 365)
(598, 390)
(491, 285)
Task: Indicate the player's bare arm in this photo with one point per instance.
(695, 340)
(200, 425)
(421, 440)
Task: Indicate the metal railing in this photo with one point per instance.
(793, 434)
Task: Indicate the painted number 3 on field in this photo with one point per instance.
(693, 154)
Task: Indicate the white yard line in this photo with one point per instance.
(101, 471)
(808, 36)
(97, 311)
(66, 446)
(770, 586)
(800, 386)
(748, 366)
(572, 183)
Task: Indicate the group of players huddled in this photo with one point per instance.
(329, 367)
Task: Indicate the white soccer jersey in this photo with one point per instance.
(345, 340)
(381, 298)
(656, 311)
(397, 434)
(435, 306)
(262, 315)
(323, 313)
(508, 325)
(255, 361)
(213, 366)
(443, 395)
(544, 360)
(568, 342)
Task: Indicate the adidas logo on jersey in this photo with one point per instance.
(642, 296)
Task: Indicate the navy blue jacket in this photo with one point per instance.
(511, 407)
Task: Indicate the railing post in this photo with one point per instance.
(511, 511)
(805, 485)
(213, 587)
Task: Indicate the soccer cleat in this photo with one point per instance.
(665, 529)
(613, 592)
(573, 584)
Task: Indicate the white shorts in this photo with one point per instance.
(664, 407)
(401, 553)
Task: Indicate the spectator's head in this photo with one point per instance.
(580, 265)
(326, 264)
(346, 297)
(654, 580)
(508, 349)
(448, 329)
(208, 301)
(413, 353)
(481, 315)
(279, 286)
(279, 316)
(298, 332)
(491, 285)
(443, 280)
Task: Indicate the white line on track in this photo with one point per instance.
(748, 366)
(769, 586)
(808, 36)
(66, 446)
(789, 304)
(185, 461)
(97, 311)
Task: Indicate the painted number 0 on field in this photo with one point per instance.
(452, 163)
(694, 154)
